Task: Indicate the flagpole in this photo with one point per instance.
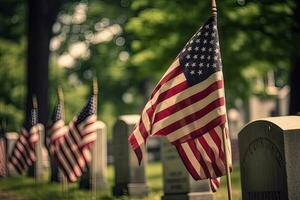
(224, 129)
(60, 95)
(93, 165)
(35, 107)
(228, 176)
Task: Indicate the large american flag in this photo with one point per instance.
(23, 154)
(70, 145)
(188, 107)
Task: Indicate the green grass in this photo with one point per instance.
(30, 190)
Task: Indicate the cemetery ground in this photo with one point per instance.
(24, 188)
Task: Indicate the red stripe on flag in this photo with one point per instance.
(191, 118)
(211, 155)
(188, 101)
(197, 155)
(65, 157)
(197, 133)
(187, 162)
(136, 147)
(133, 142)
(171, 92)
(175, 72)
(214, 135)
(142, 130)
(73, 153)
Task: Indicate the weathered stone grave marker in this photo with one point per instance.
(11, 138)
(130, 178)
(96, 174)
(178, 183)
(270, 159)
(41, 164)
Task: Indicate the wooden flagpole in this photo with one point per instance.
(60, 95)
(35, 107)
(224, 129)
(228, 176)
(93, 163)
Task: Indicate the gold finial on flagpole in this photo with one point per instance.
(60, 95)
(95, 92)
(213, 7)
(34, 102)
(95, 86)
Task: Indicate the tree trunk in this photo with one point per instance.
(41, 15)
(295, 70)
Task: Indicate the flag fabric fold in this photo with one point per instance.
(23, 154)
(187, 107)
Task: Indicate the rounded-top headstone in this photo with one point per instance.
(270, 158)
(130, 178)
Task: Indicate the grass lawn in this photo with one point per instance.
(28, 189)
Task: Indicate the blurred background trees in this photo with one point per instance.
(128, 45)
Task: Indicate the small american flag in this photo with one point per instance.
(71, 145)
(23, 153)
(188, 107)
(84, 127)
(2, 153)
(63, 145)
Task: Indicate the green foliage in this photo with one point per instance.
(251, 43)
(12, 81)
(255, 37)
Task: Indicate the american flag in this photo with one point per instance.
(70, 145)
(23, 153)
(188, 107)
(2, 153)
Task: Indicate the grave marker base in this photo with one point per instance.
(189, 196)
(131, 189)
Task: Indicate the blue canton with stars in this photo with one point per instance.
(201, 57)
(57, 113)
(89, 109)
(34, 117)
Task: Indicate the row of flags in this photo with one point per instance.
(187, 106)
(69, 144)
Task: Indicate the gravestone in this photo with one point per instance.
(260, 108)
(41, 164)
(130, 178)
(178, 183)
(11, 138)
(270, 159)
(96, 173)
(283, 101)
(3, 157)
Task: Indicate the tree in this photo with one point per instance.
(295, 71)
(41, 16)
